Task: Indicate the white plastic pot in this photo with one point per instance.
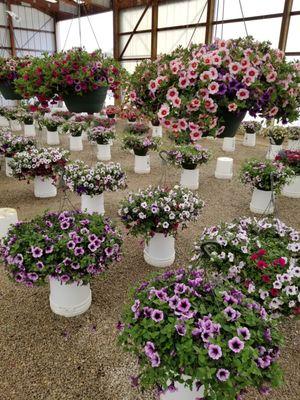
(8, 216)
(273, 150)
(228, 144)
(8, 170)
(156, 131)
(15, 125)
(52, 138)
(261, 202)
(293, 188)
(142, 164)
(44, 187)
(249, 139)
(84, 136)
(69, 300)
(183, 393)
(3, 121)
(76, 143)
(103, 152)
(92, 204)
(190, 178)
(293, 144)
(29, 130)
(224, 168)
(160, 250)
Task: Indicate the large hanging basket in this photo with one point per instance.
(91, 102)
(232, 122)
(8, 91)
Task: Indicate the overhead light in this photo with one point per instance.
(79, 1)
(14, 16)
(51, 1)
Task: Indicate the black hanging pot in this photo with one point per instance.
(91, 102)
(8, 91)
(232, 122)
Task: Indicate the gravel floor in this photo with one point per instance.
(44, 356)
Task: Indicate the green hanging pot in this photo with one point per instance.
(232, 122)
(91, 102)
(8, 91)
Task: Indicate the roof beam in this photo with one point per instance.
(154, 26)
(285, 23)
(209, 21)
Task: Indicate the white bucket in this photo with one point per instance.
(156, 131)
(3, 121)
(249, 139)
(84, 136)
(292, 189)
(224, 168)
(273, 150)
(29, 130)
(261, 202)
(190, 178)
(76, 143)
(8, 216)
(52, 138)
(103, 152)
(92, 204)
(15, 125)
(8, 170)
(183, 393)
(69, 300)
(160, 250)
(44, 187)
(142, 164)
(293, 144)
(228, 144)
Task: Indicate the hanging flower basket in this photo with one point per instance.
(232, 122)
(8, 91)
(91, 102)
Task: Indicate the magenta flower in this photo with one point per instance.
(235, 344)
(36, 252)
(181, 329)
(155, 360)
(223, 374)
(184, 305)
(244, 332)
(157, 315)
(149, 349)
(33, 276)
(214, 351)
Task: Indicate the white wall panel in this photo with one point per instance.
(187, 12)
(250, 8)
(3, 15)
(129, 17)
(169, 40)
(139, 46)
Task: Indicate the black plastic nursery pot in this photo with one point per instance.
(8, 91)
(232, 122)
(277, 142)
(91, 102)
(140, 152)
(189, 166)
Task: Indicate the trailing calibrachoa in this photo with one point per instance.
(294, 132)
(10, 67)
(251, 126)
(258, 255)
(70, 246)
(138, 128)
(159, 210)
(46, 162)
(184, 329)
(188, 156)
(11, 145)
(276, 133)
(139, 144)
(265, 175)
(101, 134)
(74, 128)
(52, 122)
(291, 158)
(82, 179)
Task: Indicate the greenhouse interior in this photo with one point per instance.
(149, 199)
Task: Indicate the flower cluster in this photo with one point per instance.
(294, 132)
(52, 122)
(11, 145)
(47, 162)
(265, 175)
(12, 113)
(112, 111)
(10, 67)
(66, 115)
(74, 128)
(276, 134)
(105, 122)
(26, 117)
(101, 134)
(251, 126)
(189, 331)
(70, 246)
(188, 156)
(82, 179)
(259, 255)
(290, 158)
(139, 144)
(138, 128)
(159, 210)
(130, 113)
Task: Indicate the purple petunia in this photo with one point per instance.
(149, 349)
(214, 351)
(184, 305)
(64, 278)
(157, 315)
(173, 302)
(65, 225)
(244, 332)
(71, 245)
(223, 374)
(155, 360)
(79, 251)
(235, 344)
(181, 329)
(36, 252)
(49, 249)
(33, 276)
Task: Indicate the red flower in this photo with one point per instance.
(262, 264)
(261, 252)
(266, 278)
(254, 256)
(296, 310)
(274, 292)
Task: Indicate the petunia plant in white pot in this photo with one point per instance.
(276, 135)
(67, 248)
(293, 137)
(250, 128)
(291, 158)
(197, 341)
(103, 137)
(75, 130)
(91, 182)
(52, 124)
(156, 213)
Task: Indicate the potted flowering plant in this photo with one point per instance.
(137, 128)
(12, 114)
(156, 214)
(74, 130)
(66, 115)
(188, 157)
(265, 177)
(27, 118)
(11, 145)
(250, 128)
(291, 159)
(112, 111)
(3, 120)
(9, 72)
(52, 123)
(91, 182)
(41, 165)
(105, 122)
(259, 255)
(131, 114)
(195, 340)
(293, 137)
(102, 136)
(276, 135)
(69, 248)
(140, 146)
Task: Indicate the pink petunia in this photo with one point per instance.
(234, 68)
(232, 107)
(163, 111)
(213, 87)
(242, 94)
